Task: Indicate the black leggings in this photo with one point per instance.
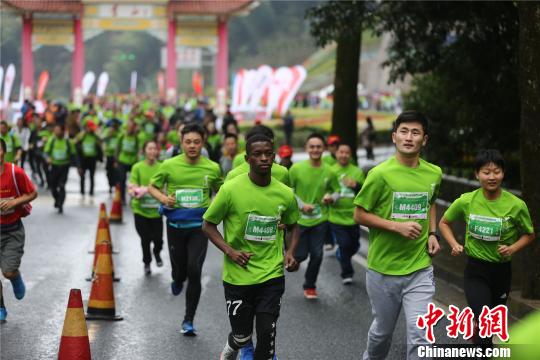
(121, 177)
(187, 250)
(57, 181)
(88, 164)
(487, 284)
(150, 230)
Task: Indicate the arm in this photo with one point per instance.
(433, 243)
(448, 235)
(410, 229)
(292, 243)
(523, 241)
(168, 201)
(239, 257)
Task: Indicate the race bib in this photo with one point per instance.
(485, 228)
(59, 154)
(345, 191)
(410, 205)
(10, 211)
(315, 214)
(261, 228)
(88, 148)
(147, 201)
(149, 128)
(189, 198)
(128, 146)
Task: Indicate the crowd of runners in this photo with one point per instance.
(197, 171)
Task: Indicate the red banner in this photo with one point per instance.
(42, 84)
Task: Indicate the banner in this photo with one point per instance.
(197, 82)
(1, 79)
(161, 84)
(8, 83)
(133, 83)
(87, 82)
(298, 76)
(102, 83)
(263, 78)
(42, 84)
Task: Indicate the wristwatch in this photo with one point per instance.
(437, 236)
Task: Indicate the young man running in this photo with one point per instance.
(189, 179)
(315, 186)
(396, 202)
(253, 275)
(127, 152)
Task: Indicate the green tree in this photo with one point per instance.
(342, 22)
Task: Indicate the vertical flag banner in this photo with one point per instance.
(161, 84)
(133, 83)
(42, 84)
(237, 90)
(87, 82)
(263, 78)
(197, 82)
(1, 79)
(8, 83)
(102, 83)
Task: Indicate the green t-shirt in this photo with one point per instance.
(214, 141)
(251, 225)
(140, 175)
(280, 173)
(111, 141)
(310, 184)
(328, 159)
(490, 223)
(12, 144)
(190, 184)
(88, 144)
(172, 137)
(399, 193)
(342, 212)
(127, 148)
(239, 159)
(44, 136)
(146, 132)
(58, 151)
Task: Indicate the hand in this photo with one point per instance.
(8, 205)
(505, 250)
(433, 245)
(349, 182)
(115, 164)
(171, 201)
(410, 229)
(240, 257)
(282, 226)
(328, 199)
(290, 262)
(307, 208)
(49, 161)
(457, 250)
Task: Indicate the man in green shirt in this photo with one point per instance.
(344, 229)
(127, 153)
(333, 142)
(188, 179)
(253, 276)
(13, 144)
(315, 187)
(58, 152)
(88, 146)
(110, 139)
(396, 202)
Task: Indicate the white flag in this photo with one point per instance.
(133, 83)
(87, 82)
(103, 80)
(8, 83)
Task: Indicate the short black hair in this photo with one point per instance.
(488, 156)
(193, 127)
(410, 116)
(257, 138)
(346, 144)
(146, 144)
(230, 135)
(316, 136)
(260, 130)
(3, 144)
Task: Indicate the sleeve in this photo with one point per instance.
(160, 177)
(218, 180)
(456, 210)
(369, 195)
(524, 220)
(291, 214)
(134, 177)
(437, 188)
(48, 146)
(218, 208)
(23, 181)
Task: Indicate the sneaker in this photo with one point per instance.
(18, 287)
(3, 315)
(228, 353)
(60, 210)
(347, 281)
(176, 289)
(329, 247)
(310, 293)
(147, 270)
(188, 329)
(159, 262)
(247, 352)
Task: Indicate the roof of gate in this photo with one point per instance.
(50, 6)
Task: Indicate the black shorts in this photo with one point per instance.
(255, 299)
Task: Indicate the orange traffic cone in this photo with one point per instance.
(102, 249)
(116, 209)
(74, 343)
(103, 232)
(101, 305)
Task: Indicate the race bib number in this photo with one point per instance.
(88, 148)
(345, 191)
(261, 228)
(315, 214)
(485, 228)
(59, 154)
(147, 201)
(10, 211)
(189, 198)
(128, 146)
(410, 205)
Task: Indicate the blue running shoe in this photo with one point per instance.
(18, 287)
(176, 289)
(188, 329)
(247, 352)
(3, 315)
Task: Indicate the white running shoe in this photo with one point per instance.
(347, 281)
(228, 353)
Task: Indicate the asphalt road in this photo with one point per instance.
(56, 259)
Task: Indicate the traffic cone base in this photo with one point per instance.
(74, 343)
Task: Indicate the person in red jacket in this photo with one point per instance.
(16, 191)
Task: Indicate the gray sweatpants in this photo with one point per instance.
(387, 295)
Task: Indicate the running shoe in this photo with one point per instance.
(228, 353)
(147, 270)
(18, 287)
(310, 293)
(3, 315)
(247, 352)
(188, 329)
(176, 289)
(347, 281)
(329, 247)
(159, 262)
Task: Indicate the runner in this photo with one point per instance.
(59, 152)
(333, 142)
(16, 190)
(396, 203)
(13, 151)
(189, 179)
(148, 222)
(110, 138)
(88, 146)
(341, 217)
(315, 186)
(498, 226)
(127, 151)
(230, 148)
(253, 277)
(285, 153)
